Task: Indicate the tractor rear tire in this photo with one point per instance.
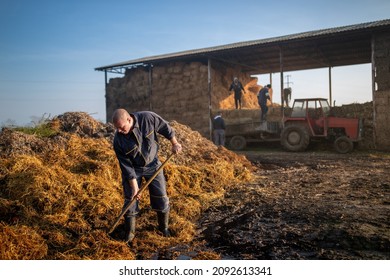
(343, 145)
(295, 138)
(237, 142)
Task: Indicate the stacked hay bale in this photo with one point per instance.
(60, 194)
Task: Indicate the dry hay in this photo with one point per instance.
(21, 242)
(59, 195)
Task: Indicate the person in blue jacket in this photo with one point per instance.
(219, 128)
(136, 147)
(237, 87)
(262, 98)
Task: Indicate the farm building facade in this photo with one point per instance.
(190, 86)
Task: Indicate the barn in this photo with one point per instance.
(190, 86)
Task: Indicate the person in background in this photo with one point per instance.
(136, 147)
(238, 88)
(219, 130)
(287, 95)
(262, 98)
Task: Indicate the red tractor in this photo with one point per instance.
(311, 120)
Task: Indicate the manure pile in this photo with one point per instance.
(60, 194)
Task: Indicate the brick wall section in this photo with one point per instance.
(382, 93)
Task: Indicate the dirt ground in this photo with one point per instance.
(312, 205)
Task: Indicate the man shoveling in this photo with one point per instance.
(135, 145)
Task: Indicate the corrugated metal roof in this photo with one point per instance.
(353, 38)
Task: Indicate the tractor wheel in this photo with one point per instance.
(343, 145)
(295, 138)
(237, 142)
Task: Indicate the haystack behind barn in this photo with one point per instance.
(190, 86)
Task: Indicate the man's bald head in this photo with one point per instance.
(120, 114)
(123, 121)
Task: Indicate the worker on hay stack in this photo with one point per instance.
(287, 95)
(135, 145)
(237, 87)
(262, 98)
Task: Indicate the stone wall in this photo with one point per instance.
(381, 96)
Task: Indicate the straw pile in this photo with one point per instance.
(248, 99)
(60, 194)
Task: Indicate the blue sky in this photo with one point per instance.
(49, 49)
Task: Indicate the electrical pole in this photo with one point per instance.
(288, 80)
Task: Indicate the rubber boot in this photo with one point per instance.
(163, 219)
(129, 229)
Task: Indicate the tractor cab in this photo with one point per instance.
(313, 111)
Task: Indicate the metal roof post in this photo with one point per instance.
(330, 86)
(281, 79)
(150, 87)
(105, 91)
(209, 91)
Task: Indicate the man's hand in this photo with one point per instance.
(176, 148)
(134, 189)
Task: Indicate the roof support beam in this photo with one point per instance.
(330, 86)
(281, 79)
(209, 92)
(150, 81)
